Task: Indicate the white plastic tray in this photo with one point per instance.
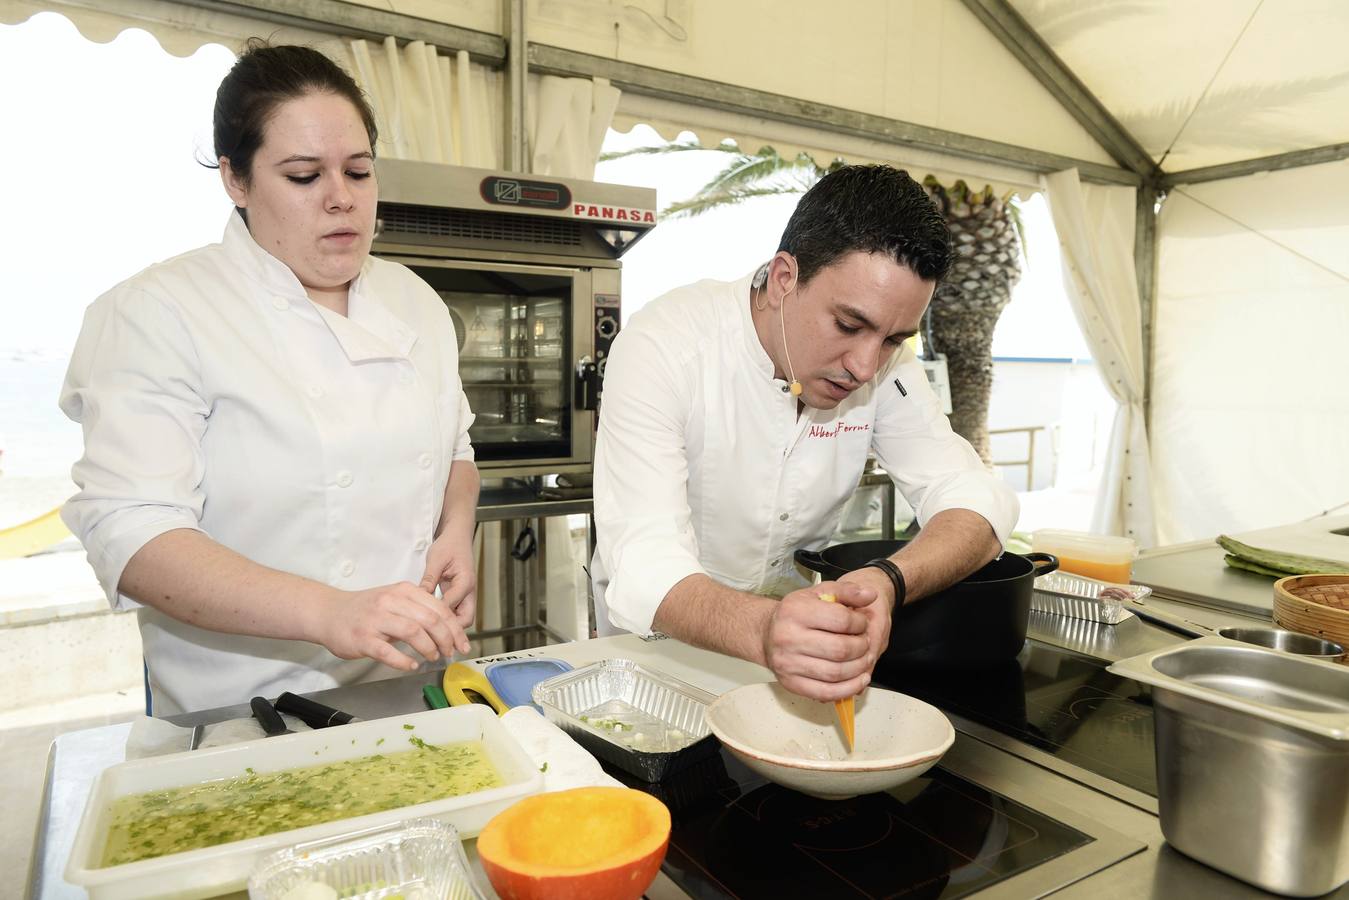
(211, 871)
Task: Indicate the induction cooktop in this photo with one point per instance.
(939, 836)
(1051, 700)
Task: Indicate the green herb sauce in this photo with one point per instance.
(217, 812)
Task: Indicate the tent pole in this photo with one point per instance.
(517, 71)
(1145, 271)
(1293, 159)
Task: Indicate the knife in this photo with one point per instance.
(271, 721)
(311, 712)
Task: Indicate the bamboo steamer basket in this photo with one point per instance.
(1314, 604)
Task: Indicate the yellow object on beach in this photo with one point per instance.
(33, 536)
(843, 708)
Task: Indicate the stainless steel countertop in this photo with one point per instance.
(1155, 872)
(1196, 573)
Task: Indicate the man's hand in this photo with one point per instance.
(367, 623)
(879, 613)
(825, 650)
(450, 564)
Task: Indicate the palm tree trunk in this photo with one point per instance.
(966, 338)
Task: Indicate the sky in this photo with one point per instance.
(101, 182)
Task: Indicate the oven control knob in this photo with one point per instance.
(606, 326)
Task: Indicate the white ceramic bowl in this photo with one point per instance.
(798, 743)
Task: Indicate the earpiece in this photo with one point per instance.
(760, 277)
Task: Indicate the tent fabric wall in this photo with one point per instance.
(430, 107)
(1205, 82)
(479, 15)
(1095, 224)
(1250, 414)
(567, 119)
(928, 62)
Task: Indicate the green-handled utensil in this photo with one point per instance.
(435, 697)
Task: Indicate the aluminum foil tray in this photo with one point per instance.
(1079, 597)
(416, 858)
(645, 722)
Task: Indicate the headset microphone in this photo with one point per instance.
(795, 386)
(760, 277)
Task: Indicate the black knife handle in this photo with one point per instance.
(268, 718)
(311, 712)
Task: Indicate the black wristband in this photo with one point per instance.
(894, 574)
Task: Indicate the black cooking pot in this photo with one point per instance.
(979, 620)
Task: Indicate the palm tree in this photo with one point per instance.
(986, 233)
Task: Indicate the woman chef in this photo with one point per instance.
(737, 420)
(277, 471)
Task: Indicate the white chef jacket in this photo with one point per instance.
(703, 465)
(215, 395)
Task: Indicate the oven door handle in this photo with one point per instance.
(587, 384)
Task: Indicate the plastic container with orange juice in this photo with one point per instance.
(1098, 556)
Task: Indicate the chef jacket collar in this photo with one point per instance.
(758, 356)
(368, 331)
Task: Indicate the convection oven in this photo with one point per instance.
(529, 269)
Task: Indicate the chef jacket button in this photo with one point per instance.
(347, 568)
(281, 303)
(424, 460)
(420, 545)
(314, 391)
(776, 561)
(344, 479)
(782, 518)
(785, 389)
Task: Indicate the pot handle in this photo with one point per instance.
(1043, 563)
(812, 560)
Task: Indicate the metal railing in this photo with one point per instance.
(1029, 461)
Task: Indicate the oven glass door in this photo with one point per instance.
(516, 331)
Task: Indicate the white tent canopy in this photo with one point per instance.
(1233, 115)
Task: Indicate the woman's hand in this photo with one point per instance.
(367, 624)
(450, 564)
(825, 650)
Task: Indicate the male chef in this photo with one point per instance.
(737, 418)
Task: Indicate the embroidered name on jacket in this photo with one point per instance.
(824, 431)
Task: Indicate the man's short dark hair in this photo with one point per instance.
(871, 209)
